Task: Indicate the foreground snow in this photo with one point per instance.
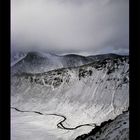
(36, 127)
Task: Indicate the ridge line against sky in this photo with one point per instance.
(70, 26)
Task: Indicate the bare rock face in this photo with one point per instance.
(117, 129)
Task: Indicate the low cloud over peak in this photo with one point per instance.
(70, 25)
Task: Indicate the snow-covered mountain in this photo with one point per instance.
(36, 62)
(91, 93)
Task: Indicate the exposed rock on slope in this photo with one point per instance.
(100, 87)
(117, 129)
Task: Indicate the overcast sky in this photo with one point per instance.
(70, 26)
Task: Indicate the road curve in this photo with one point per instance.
(60, 124)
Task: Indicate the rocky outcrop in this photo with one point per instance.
(117, 129)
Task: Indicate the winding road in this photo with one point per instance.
(60, 124)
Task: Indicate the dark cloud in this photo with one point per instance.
(70, 25)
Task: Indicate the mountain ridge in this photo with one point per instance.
(37, 61)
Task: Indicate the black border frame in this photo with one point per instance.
(5, 70)
(134, 88)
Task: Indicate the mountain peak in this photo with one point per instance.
(34, 54)
(37, 56)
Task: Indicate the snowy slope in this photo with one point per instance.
(92, 93)
(36, 62)
(16, 57)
